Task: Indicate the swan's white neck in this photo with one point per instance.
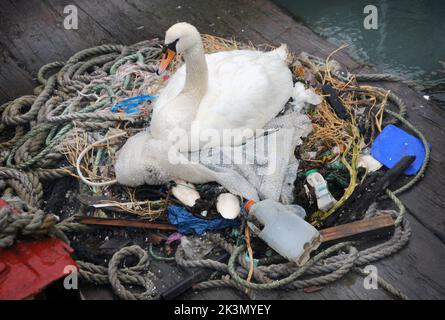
(196, 72)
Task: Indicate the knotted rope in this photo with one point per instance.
(118, 277)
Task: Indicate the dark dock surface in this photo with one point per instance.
(32, 34)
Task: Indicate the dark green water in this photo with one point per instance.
(409, 41)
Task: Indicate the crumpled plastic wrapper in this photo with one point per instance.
(187, 223)
(302, 97)
(196, 248)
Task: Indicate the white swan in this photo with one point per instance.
(240, 89)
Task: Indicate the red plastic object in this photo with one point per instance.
(28, 267)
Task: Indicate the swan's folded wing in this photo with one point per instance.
(246, 90)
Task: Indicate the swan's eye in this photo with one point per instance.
(171, 46)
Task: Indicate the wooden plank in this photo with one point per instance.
(14, 81)
(15, 77)
(379, 226)
(40, 37)
(125, 223)
(120, 19)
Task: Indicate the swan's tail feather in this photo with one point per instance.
(282, 51)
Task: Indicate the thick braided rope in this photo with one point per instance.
(26, 185)
(36, 224)
(46, 68)
(375, 77)
(88, 116)
(118, 277)
(53, 174)
(17, 118)
(294, 276)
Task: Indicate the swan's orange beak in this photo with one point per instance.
(167, 57)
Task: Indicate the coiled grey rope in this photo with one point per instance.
(118, 277)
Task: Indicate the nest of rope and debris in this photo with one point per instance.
(45, 135)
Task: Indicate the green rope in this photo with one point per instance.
(55, 137)
(158, 257)
(132, 57)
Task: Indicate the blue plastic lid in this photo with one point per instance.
(393, 143)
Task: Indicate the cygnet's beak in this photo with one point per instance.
(168, 53)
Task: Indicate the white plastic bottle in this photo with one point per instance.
(325, 200)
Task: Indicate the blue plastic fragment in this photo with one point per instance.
(393, 143)
(131, 105)
(187, 223)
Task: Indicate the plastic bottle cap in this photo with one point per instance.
(249, 204)
(310, 172)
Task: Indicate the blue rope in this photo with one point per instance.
(131, 105)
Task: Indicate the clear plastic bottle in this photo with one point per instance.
(284, 230)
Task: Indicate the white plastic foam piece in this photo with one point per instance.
(185, 193)
(228, 206)
(368, 162)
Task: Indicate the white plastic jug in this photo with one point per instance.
(284, 230)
